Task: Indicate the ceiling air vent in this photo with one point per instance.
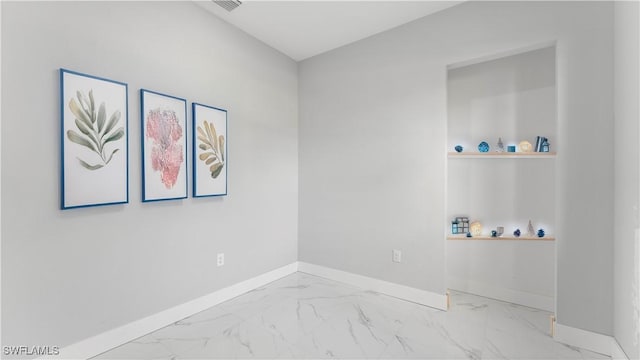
(228, 5)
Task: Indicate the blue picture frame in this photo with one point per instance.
(209, 150)
(94, 141)
(163, 122)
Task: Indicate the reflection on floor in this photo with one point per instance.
(303, 317)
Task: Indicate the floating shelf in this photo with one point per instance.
(463, 237)
(498, 155)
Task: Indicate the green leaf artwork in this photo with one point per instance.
(212, 147)
(95, 130)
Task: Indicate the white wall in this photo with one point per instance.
(68, 275)
(373, 142)
(627, 179)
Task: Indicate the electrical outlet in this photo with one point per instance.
(397, 256)
(220, 259)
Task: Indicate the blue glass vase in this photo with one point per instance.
(516, 233)
(483, 146)
(540, 233)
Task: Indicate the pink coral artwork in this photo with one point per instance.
(164, 146)
(166, 153)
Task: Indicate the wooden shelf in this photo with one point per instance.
(463, 237)
(501, 155)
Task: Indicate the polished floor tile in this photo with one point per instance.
(308, 317)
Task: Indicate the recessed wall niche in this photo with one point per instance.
(513, 99)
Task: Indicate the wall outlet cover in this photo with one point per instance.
(220, 259)
(397, 256)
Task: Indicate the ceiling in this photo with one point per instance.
(302, 29)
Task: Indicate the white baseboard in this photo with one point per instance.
(535, 301)
(108, 340)
(616, 351)
(602, 344)
(438, 301)
(98, 344)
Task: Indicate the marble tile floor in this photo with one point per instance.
(307, 317)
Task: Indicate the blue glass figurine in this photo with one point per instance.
(483, 146)
(458, 148)
(541, 233)
(468, 234)
(494, 233)
(516, 233)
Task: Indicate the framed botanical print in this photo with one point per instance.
(94, 141)
(210, 157)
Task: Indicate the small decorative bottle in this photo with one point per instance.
(500, 145)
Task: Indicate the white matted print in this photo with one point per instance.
(209, 151)
(94, 141)
(164, 146)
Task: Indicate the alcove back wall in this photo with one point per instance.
(68, 275)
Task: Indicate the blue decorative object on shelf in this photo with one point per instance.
(542, 144)
(458, 148)
(494, 233)
(483, 147)
(511, 148)
(516, 233)
(545, 146)
(468, 234)
(540, 233)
